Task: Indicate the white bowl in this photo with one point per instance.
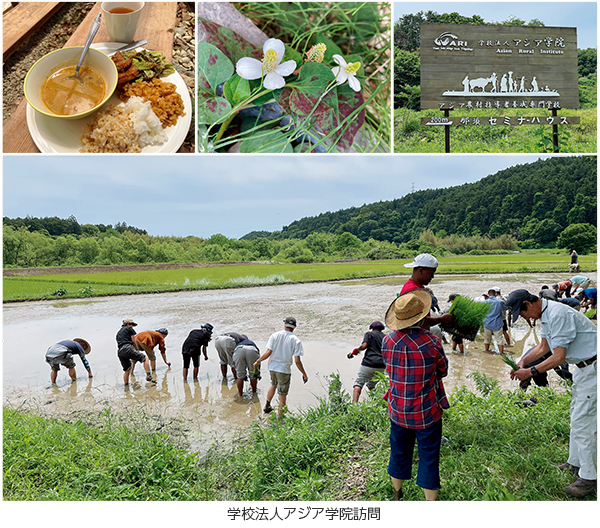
(62, 58)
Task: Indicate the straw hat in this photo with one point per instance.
(84, 344)
(408, 309)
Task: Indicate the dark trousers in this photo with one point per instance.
(402, 444)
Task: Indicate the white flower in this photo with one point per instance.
(346, 72)
(270, 67)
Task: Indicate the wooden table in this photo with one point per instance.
(156, 25)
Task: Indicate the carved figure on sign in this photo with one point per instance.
(482, 82)
(510, 84)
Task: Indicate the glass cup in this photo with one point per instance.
(121, 19)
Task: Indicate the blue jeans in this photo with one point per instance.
(402, 443)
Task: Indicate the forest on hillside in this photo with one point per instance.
(545, 204)
(532, 203)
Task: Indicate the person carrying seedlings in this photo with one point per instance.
(457, 341)
(492, 324)
(541, 379)
(570, 336)
(195, 344)
(424, 267)
(148, 339)
(225, 345)
(244, 356)
(416, 364)
(62, 354)
(283, 347)
(128, 351)
(372, 361)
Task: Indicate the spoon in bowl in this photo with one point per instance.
(93, 30)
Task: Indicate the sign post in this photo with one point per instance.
(484, 67)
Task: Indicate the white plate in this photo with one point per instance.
(59, 135)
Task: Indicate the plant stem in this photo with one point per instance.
(235, 112)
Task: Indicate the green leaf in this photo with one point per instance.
(236, 90)
(304, 96)
(346, 122)
(228, 42)
(214, 67)
(292, 54)
(271, 141)
(212, 110)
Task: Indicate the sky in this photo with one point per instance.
(204, 195)
(582, 15)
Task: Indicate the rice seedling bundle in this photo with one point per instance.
(509, 362)
(468, 317)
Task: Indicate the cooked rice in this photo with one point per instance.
(126, 127)
(166, 102)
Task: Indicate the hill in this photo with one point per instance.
(530, 202)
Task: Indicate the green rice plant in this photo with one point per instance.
(509, 362)
(469, 312)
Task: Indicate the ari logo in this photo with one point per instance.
(448, 39)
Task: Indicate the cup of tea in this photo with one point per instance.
(121, 19)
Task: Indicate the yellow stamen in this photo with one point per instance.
(269, 62)
(352, 67)
(316, 53)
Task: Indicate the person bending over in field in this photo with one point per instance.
(62, 354)
(195, 344)
(148, 340)
(128, 352)
(568, 335)
(372, 361)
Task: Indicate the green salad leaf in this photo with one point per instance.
(151, 64)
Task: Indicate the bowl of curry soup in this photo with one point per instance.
(49, 92)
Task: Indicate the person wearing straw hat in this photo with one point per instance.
(62, 354)
(128, 351)
(416, 364)
(569, 336)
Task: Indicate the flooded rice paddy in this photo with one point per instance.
(332, 319)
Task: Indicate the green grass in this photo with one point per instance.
(333, 451)
(410, 136)
(215, 277)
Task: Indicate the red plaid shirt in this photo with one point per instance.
(416, 363)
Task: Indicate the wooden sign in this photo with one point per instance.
(500, 120)
(484, 67)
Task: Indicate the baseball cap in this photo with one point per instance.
(514, 301)
(208, 326)
(290, 321)
(424, 260)
(377, 325)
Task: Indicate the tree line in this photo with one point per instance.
(407, 63)
(546, 204)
